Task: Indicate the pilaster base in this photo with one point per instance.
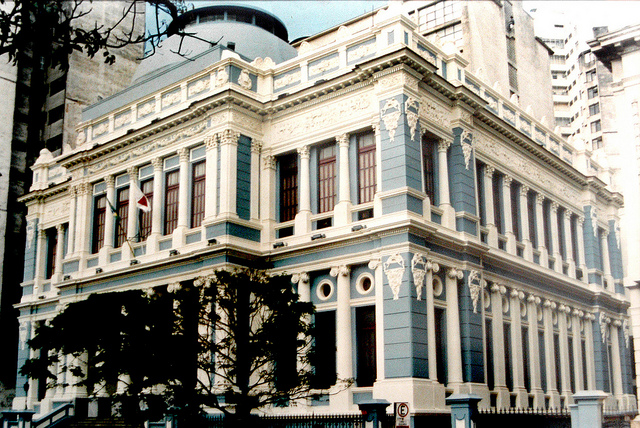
(554, 400)
(538, 398)
(152, 243)
(629, 402)
(492, 236)
(511, 243)
(423, 395)
(522, 398)
(302, 223)
(342, 213)
(448, 216)
(479, 389)
(503, 397)
(178, 237)
(341, 399)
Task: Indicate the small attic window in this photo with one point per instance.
(231, 46)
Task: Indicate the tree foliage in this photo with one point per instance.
(234, 340)
(65, 26)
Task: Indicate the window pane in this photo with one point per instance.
(99, 212)
(366, 167)
(171, 201)
(122, 219)
(198, 194)
(428, 149)
(326, 179)
(288, 187)
(145, 217)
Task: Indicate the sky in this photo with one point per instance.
(304, 18)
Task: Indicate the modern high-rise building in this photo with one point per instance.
(42, 107)
(450, 240)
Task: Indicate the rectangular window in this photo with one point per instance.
(590, 75)
(145, 217)
(122, 218)
(595, 126)
(574, 236)
(326, 178)
(531, 209)
(198, 182)
(515, 210)
(594, 109)
(525, 358)
(172, 188)
(481, 198)
(366, 167)
(441, 344)
(324, 374)
(288, 187)
(55, 114)
(556, 352)
(596, 143)
(543, 365)
(428, 167)
(508, 364)
(99, 217)
(366, 345)
(52, 247)
(546, 208)
(497, 202)
(572, 379)
(489, 352)
(592, 92)
(561, 232)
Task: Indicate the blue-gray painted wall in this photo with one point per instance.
(405, 328)
(243, 193)
(471, 336)
(601, 358)
(615, 252)
(23, 356)
(461, 179)
(591, 244)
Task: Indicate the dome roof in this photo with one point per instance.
(249, 31)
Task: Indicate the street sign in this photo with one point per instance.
(402, 415)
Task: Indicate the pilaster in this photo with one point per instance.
(303, 217)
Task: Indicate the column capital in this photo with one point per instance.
(229, 136)
(506, 180)
(132, 171)
(432, 266)
(489, 171)
(617, 323)
(375, 125)
(605, 233)
(211, 141)
(567, 214)
(157, 164)
(299, 277)
(517, 294)
(83, 189)
(184, 154)
(72, 190)
(443, 145)
(269, 162)
(539, 199)
(342, 270)
(59, 228)
(342, 140)
(42, 233)
(110, 180)
(303, 152)
(554, 207)
(524, 191)
(256, 146)
(455, 273)
(374, 263)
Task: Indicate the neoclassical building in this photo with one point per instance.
(450, 241)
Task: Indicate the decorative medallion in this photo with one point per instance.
(244, 80)
(412, 116)
(394, 269)
(390, 114)
(419, 270)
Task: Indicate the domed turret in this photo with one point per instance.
(248, 31)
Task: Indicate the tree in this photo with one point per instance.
(58, 24)
(234, 341)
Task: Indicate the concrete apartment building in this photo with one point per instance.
(449, 239)
(42, 106)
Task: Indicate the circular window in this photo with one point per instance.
(437, 286)
(324, 290)
(364, 283)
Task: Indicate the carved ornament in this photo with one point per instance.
(394, 269)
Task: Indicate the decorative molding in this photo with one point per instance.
(23, 334)
(604, 320)
(626, 332)
(374, 263)
(455, 273)
(394, 269)
(419, 271)
(244, 80)
(412, 117)
(342, 140)
(303, 151)
(435, 113)
(171, 98)
(524, 191)
(256, 146)
(157, 164)
(149, 147)
(174, 287)
(476, 284)
(466, 142)
(222, 77)
(390, 115)
(324, 65)
(489, 171)
(183, 152)
(211, 141)
(443, 145)
(361, 51)
(269, 162)
(286, 80)
(200, 85)
(594, 221)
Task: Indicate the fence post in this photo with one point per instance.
(374, 412)
(587, 412)
(464, 407)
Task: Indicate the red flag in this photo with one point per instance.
(137, 197)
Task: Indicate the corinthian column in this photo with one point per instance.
(342, 211)
(211, 182)
(303, 217)
(343, 328)
(492, 237)
(448, 213)
(454, 349)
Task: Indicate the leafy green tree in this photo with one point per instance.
(234, 341)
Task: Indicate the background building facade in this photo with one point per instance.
(450, 241)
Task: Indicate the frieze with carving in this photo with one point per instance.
(171, 98)
(200, 85)
(100, 129)
(122, 119)
(322, 117)
(324, 65)
(525, 167)
(244, 80)
(466, 141)
(146, 108)
(149, 147)
(476, 285)
(361, 51)
(282, 81)
(222, 77)
(434, 113)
